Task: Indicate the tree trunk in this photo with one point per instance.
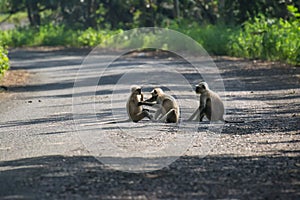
(29, 13)
(176, 9)
(33, 13)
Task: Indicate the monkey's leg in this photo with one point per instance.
(172, 117)
(158, 113)
(205, 112)
(141, 116)
(148, 115)
(144, 109)
(197, 119)
(170, 114)
(201, 114)
(201, 117)
(208, 113)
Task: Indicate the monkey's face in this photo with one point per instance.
(201, 88)
(154, 94)
(157, 92)
(138, 91)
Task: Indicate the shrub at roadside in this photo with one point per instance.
(268, 39)
(47, 35)
(260, 38)
(4, 61)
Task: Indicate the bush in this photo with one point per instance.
(213, 38)
(269, 39)
(53, 35)
(4, 61)
(90, 37)
(47, 35)
(260, 38)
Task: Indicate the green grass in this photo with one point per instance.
(260, 38)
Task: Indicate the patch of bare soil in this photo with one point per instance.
(12, 78)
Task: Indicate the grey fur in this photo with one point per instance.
(168, 109)
(135, 110)
(210, 106)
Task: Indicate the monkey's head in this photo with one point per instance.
(155, 93)
(201, 87)
(136, 90)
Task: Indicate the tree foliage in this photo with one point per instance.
(4, 61)
(265, 29)
(126, 14)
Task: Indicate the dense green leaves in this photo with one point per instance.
(4, 62)
(269, 39)
(252, 29)
(260, 38)
(126, 14)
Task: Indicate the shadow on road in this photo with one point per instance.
(212, 177)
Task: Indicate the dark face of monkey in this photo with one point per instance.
(154, 96)
(201, 88)
(138, 91)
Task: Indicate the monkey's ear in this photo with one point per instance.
(134, 88)
(203, 86)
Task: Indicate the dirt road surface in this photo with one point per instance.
(43, 154)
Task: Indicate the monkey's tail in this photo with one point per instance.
(122, 121)
(235, 122)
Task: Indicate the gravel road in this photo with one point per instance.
(50, 150)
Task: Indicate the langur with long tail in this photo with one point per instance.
(135, 110)
(167, 107)
(210, 106)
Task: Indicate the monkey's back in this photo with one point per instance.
(132, 106)
(216, 106)
(168, 103)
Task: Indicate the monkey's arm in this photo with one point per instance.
(196, 113)
(203, 99)
(152, 99)
(146, 103)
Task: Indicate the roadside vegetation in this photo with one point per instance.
(268, 39)
(255, 30)
(4, 61)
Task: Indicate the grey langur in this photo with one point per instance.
(135, 110)
(167, 107)
(210, 106)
